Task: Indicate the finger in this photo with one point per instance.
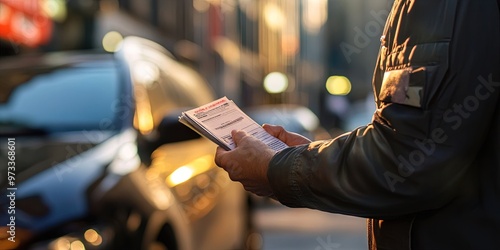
(237, 135)
(220, 151)
(276, 131)
(219, 155)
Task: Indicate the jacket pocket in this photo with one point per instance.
(415, 51)
(403, 86)
(418, 82)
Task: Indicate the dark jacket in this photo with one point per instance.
(426, 170)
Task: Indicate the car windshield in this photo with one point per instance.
(57, 100)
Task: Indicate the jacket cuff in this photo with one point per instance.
(283, 174)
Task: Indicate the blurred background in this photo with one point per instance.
(316, 55)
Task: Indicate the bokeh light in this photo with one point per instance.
(274, 16)
(93, 237)
(338, 85)
(180, 175)
(111, 40)
(275, 82)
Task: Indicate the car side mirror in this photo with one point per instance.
(170, 130)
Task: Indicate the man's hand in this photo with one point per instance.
(289, 138)
(249, 161)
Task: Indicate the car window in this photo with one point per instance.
(64, 99)
(186, 87)
(177, 87)
(161, 83)
(182, 84)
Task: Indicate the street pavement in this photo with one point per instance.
(285, 228)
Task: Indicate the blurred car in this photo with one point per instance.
(101, 161)
(294, 118)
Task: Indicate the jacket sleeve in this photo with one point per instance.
(413, 156)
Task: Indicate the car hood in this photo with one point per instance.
(35, 154)
(71, 164)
